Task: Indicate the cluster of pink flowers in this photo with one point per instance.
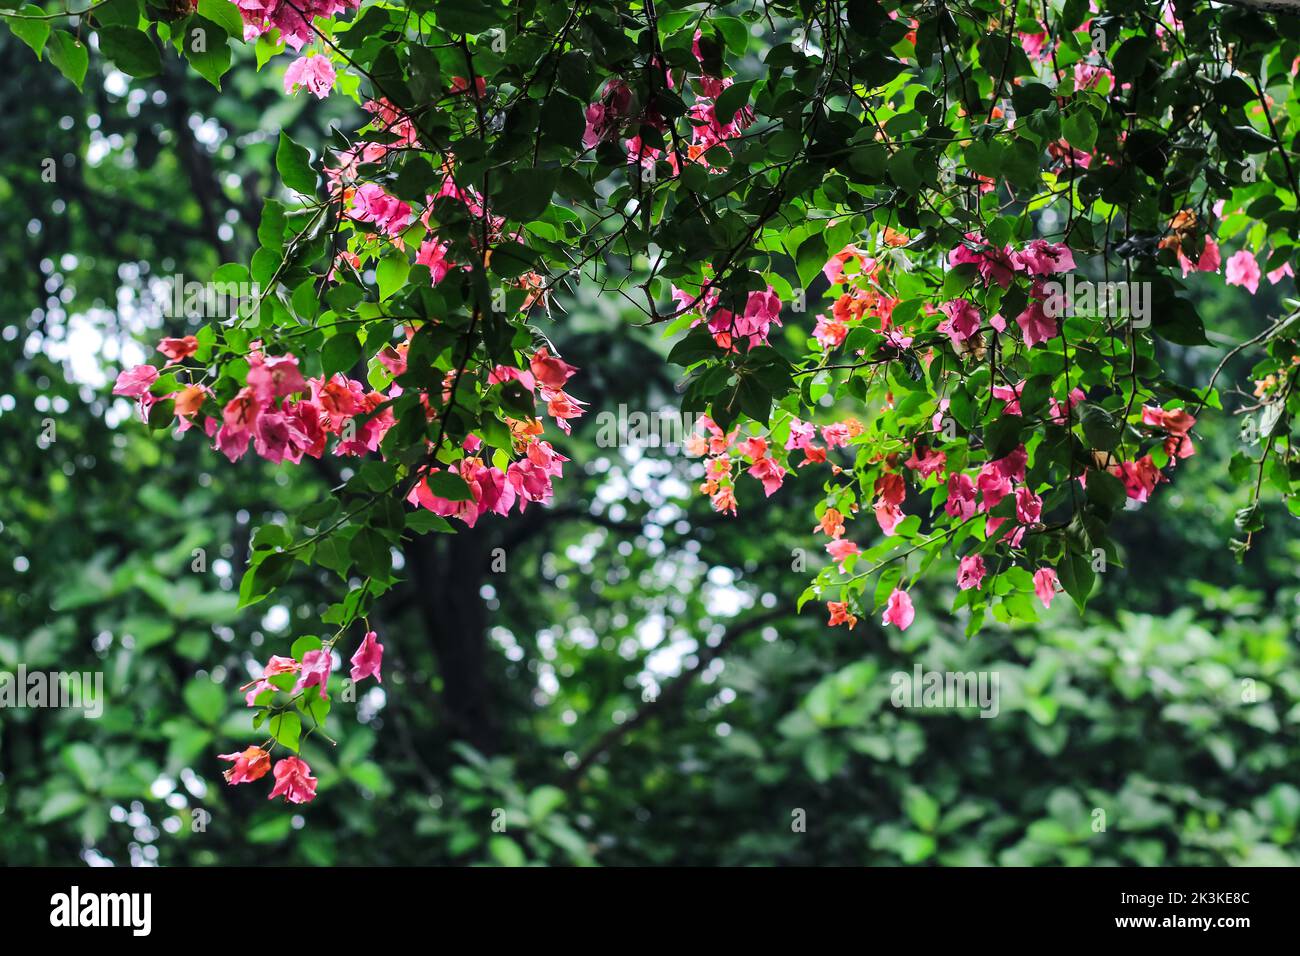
(863, 296)
(293, 779)
(752, 326)
(616, 110)
(494, 491)
(284, 417)
(314, 72)
(721, 452)
(1038, 259)
(293, 20)
(525, 480)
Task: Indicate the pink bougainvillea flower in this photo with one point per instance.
(994, 265)
(829, 332)
(1042, 258)
(188, 401)
(461, 85)
(316, 73)
(371, 204)
(802, 434)
(1029, 507)
(1045, 585)
(433, 254)
(1035, 45)
(1275, 276)
(1208, 261)
(899, 610)
(179, 349)
(1177, 422)
(834, 268)
(970, 573)
(276, 377)
(316, 666)
(135, 381)
(891, 487)
(549, 370)
(293, 781)
(1035, 324)
(888, 515)
(1139, 477)
(255, 690)
(961, 496)
(769, 473)
(1243, 270)
(250, 764)
(1061, 411)
(1013, 463)
(837, 435)
(963, 320)
(926, 461)
(367, 659)
(1011, 395)
(762, 310)
(993, 485)
(281, 665)
(840, 549)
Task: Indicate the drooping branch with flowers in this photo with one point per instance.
(935, 257)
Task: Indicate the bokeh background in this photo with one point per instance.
(636, 686)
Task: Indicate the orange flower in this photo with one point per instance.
(840, 614)
(189, 399)
(250, 765)
(832, 523)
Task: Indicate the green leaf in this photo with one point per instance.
(370, 551)
(922, 808)
(543, 801)
(1100, 427)
(506, 851)
(264, 577)
(446, 484)
(341, 352)
(224, 14)
(1080, 129)
(467, 16)
(133, 51)
(62, 804)
(422, 522)
(315, 707)
(206, 47)
(85, 763)
(286, 727)
(391, 275)
(117, 13)
(294, 165)
(732, 100)
(1076, 575)
(205, 699)
(32, 32)
(70, 56)
(696, 346)
(303, 645)
(1002, 435)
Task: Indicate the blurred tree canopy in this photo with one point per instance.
(620, 678)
